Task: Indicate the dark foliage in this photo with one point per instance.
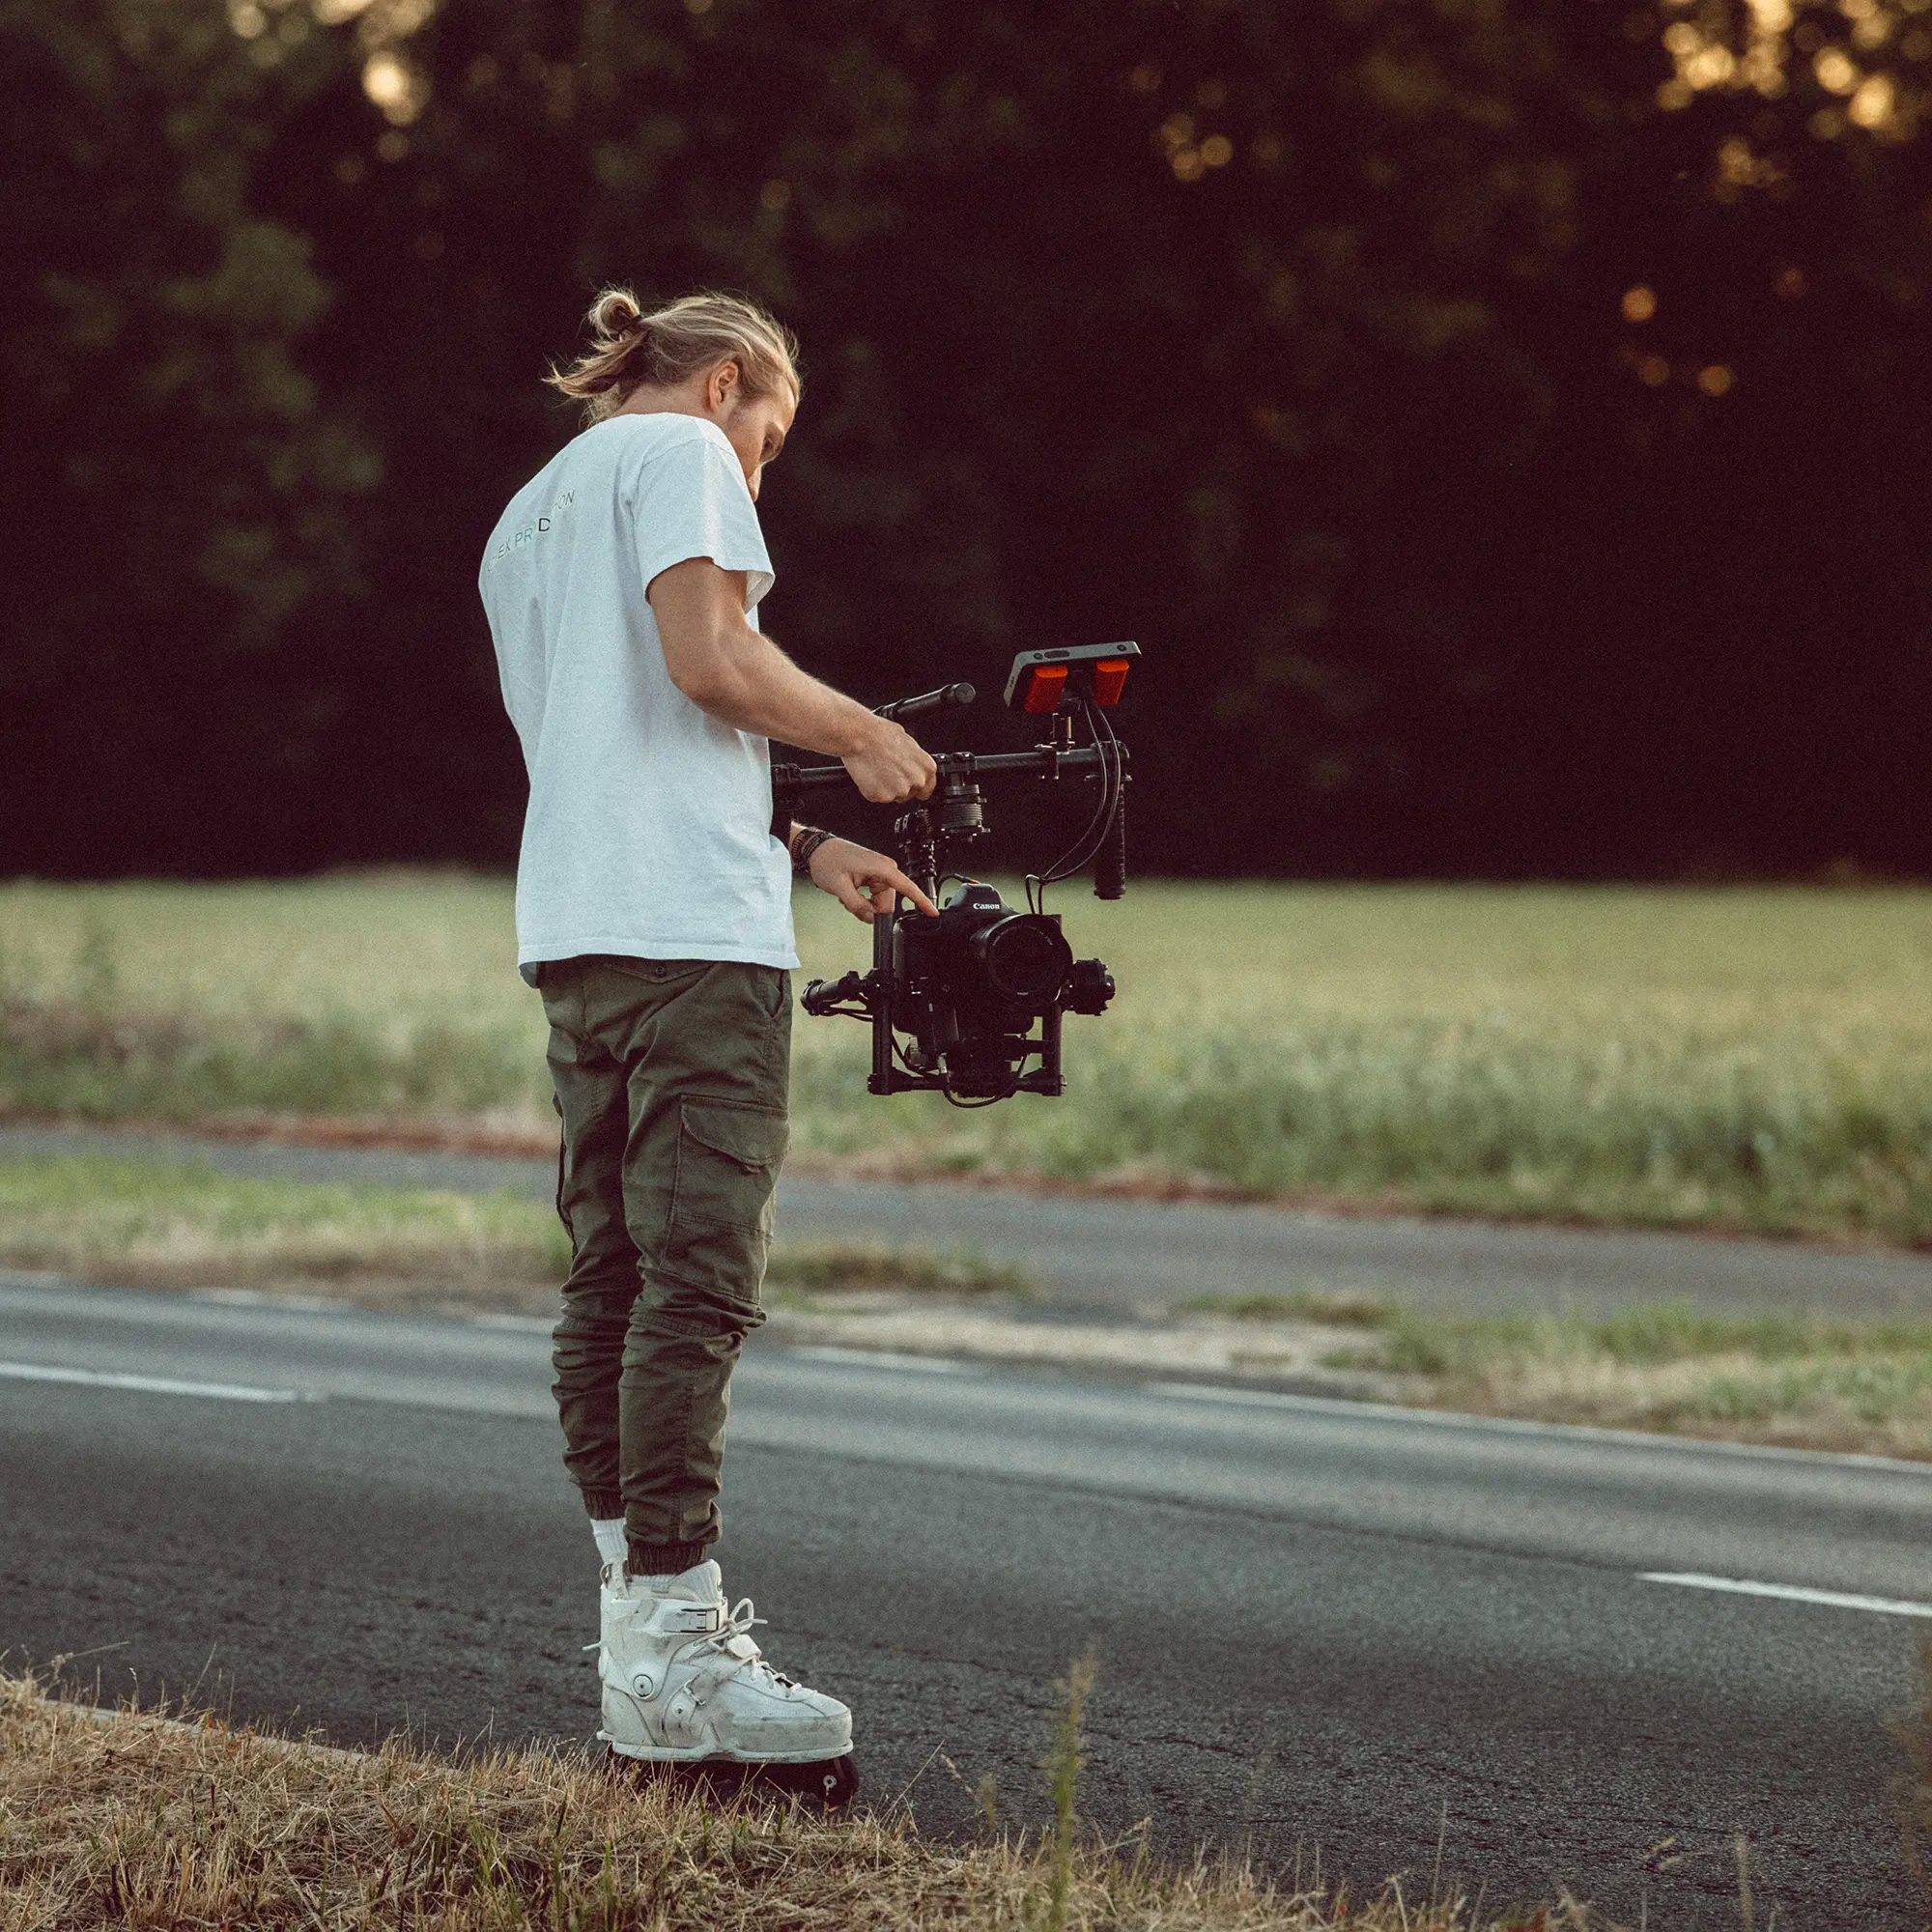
(1286, 340)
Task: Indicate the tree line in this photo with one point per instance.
(1499, 421)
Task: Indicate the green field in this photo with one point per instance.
(1753, 1057)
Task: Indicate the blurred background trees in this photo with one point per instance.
(1499, 420)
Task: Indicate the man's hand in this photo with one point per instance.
(863, 882)
(888, 767)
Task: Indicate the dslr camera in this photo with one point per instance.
(968, 1004)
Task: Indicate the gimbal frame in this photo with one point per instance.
(927, 852)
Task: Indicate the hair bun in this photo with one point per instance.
(614, 315)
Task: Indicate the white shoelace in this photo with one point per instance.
(741, 1619)
(740, 1623)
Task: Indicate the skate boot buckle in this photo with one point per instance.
(693, 1619)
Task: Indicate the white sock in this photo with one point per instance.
(613, 1545)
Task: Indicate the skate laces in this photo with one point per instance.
(739, 1624)
(741, 1621)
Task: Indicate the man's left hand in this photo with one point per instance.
(863, 882)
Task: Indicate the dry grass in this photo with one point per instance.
(1878, 1406)
(1796, 1381)
(163, 1826)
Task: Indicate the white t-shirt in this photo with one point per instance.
(648, 831)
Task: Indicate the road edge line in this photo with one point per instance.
(1790, 1593)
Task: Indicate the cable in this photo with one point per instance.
(1088, 845)
(973, 1106)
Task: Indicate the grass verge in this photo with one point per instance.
(169, 1223)
(173, 1826)
(1800, 1380)
(159, 1221)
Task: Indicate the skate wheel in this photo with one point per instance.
(831, 1783)
(828, 1784)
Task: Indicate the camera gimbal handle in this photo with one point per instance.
(948, 696)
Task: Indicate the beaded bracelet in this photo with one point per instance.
(807, 841)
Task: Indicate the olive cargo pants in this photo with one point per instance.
(670, 1077)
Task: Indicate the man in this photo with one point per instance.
(622, 586)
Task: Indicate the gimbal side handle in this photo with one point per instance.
(947, 698)
(1110, 863)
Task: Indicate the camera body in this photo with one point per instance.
(971, 983)
(981, 990)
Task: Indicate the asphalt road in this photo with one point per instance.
(1119, 1256)
(1323, 1629)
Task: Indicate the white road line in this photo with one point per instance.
(886, 1358)
(33, 1371)
(1795, 1593)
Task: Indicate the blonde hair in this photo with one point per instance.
(673, 344)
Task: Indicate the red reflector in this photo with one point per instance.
(1109, 675)
(1044, 685)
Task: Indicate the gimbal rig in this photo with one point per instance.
(967, 986)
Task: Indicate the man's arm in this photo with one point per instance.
(735, 676)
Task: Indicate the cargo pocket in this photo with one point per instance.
(721, 1221)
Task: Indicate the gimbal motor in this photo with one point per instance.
(968, 988)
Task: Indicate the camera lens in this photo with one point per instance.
(1025, 958)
